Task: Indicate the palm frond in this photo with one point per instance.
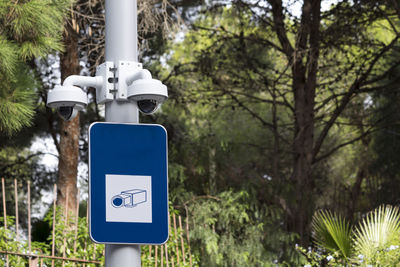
(333, 233)
(376, 229)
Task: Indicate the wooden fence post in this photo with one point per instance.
(166, 255)
(156, 256)
(188, 239)
(16, 209)
(162, 256)
(4, 203)
(53, 241)
(76, 222)
(65, 224)
(150, 251)
(29, 222)
(181, 236)
(176, 239)
(4, 211)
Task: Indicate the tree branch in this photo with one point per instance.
(279, 25)
(354, 88)
(333, 150)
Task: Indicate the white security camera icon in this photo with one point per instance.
(129, 198)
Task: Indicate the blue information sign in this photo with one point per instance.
(128, 191)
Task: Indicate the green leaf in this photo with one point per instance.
(376, 230)
(333, 233)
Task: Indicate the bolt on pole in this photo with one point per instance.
(121, 44)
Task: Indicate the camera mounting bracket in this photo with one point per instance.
(125, 69)
(104, 93)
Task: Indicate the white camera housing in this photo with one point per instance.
(149, 94)
(68, 100)
(126, 82)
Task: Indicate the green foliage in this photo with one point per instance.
(317, 258)
(76, 244)
(9, 242)
(23, 165)
(37, 23)
(8, 60)
(174, 249)
(226, 231)
(385, 143)
(333, 233)
(73, 240)
(79, 246)
(375, 241)
(233, 91)
(28, 30)
(376, 232)
(17, 101)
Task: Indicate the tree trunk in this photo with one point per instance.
(303, 156)
(69, 135)
(304, 69)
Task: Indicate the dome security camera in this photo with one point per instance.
(149, 94)
(68, 100)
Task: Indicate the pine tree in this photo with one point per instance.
(28, 30)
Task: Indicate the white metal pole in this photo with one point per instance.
(122, 255)
(121, 44)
